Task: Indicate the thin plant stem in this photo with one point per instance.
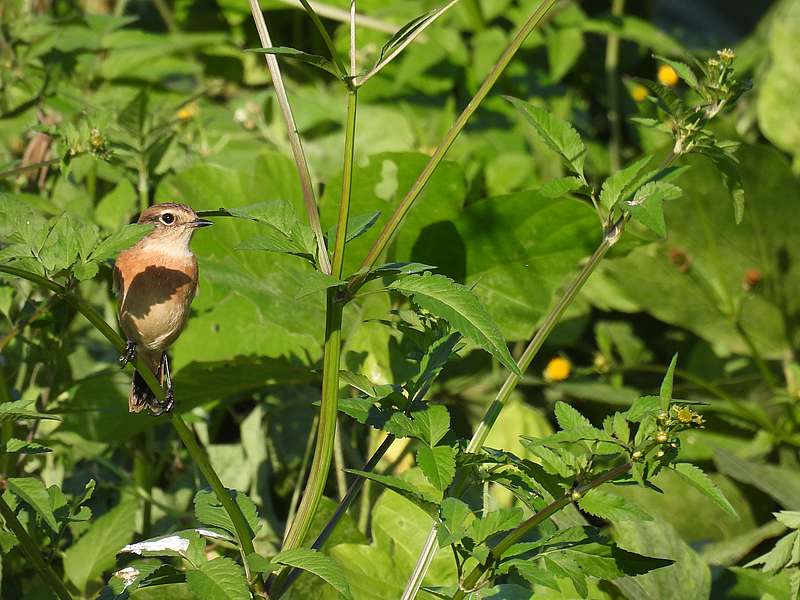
(323, 451)
(612, 85)
(32, 551)
(337, 14)
(312, 435)
(294, 138)
(338, 462)
(490, 417)
(244, 534)
(362, 79)
(325, 36)
(31, 167)
(391, 226)
(472, 580)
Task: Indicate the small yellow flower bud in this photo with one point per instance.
(726, 54)
(188, 111)
(558, 369)
(639, 93)
(576, 495)
(662, 437)
(637, 455)
(662, 416)
(660, 454)
(667, 76)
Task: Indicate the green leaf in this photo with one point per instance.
(556, 188)
(729, 170)
(316, 281)
(312, 59)
(790, 518)
(33, 492)
(60, 249)
(16, 446)
(122, 240)
(356, 226)
(18, 409)
(665, 393)
(209, 510)
(501, 519)
(218, 579)
(317, 563)
(611, 507)
(683, 70)
(647, 205)
(559, 135)
(438, 464)
(398, 269)
(569, 418)
(617, 185)
(431, 424)
(460, 307)
(96, 550)
(455, 517)
(702, 482)
(401, 486)
(781, 483)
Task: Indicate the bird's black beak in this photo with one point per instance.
(200, 223)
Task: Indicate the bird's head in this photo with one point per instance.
(174, 226)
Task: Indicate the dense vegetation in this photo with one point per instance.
(514, 315)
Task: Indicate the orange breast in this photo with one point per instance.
(155, 293)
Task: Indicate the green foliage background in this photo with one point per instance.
(134, 103)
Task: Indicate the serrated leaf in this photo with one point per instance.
(455, 516)
(60, 249)
(401, 486)
(790, 518)
(532, 573)
(569, 418)
(317, 563)
(32, 492)
(431, 424)
(19, 409)
(316, 281)
(683, 70)
(560, 187)
(695, 476)
(218, 579)
(647, 205)
(460, 307)
(559, 135)
(502, 519)
(665, 392)
(96, 550)
(312, 59)
(209, 510)
(785, 554)
(642, 407)
(17, 446)
(611, 507)
(438, 464)
(119, 241)
(398, 269)
(617, 185)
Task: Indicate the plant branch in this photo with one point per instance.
(471, 581)
(388, 231)
(294, 138)
(32, 551)
(325, 36)
(243, 532)
(612, 85)
(329, 405)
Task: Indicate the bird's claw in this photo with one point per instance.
(129, 354)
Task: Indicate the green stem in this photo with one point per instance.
(388, 231)
(471, 581)
(323, 451)
(32, 551)
(612, 83)
(761, 364)
(243, 533)
(325, 37)
(26, 168)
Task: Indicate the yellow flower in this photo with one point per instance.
(667, 76)
(188, 111)
(639, 93)
(558, 369)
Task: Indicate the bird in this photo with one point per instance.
(156, 281)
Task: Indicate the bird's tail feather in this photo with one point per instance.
(141, 396)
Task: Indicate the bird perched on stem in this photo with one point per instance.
(156, 281)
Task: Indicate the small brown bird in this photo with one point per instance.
(156, 281)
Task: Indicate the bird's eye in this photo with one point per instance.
(167, 218)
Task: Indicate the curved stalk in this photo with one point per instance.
(294, 138)
(323, 451)
(612, 85)
(388, 231)
(30, 548)
(243, 533)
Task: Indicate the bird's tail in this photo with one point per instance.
(142, 396)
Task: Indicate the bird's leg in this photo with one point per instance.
(169, 399)
(128, 355)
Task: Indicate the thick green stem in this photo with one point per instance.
(243, 532)
(388, 231)
(32, 551)
(323, 451)
(511, 538)
(612, 85)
